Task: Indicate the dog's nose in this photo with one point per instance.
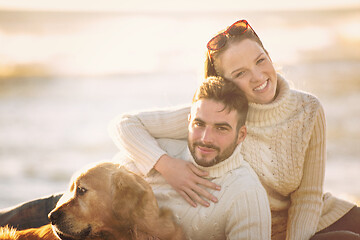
(54, 216)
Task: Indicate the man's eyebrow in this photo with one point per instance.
(198, 119)
(223, 124)
(219, 124)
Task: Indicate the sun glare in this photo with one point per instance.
(164, 5)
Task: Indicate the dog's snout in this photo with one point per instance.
(54, 216)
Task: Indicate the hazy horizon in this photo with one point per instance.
(183, 5)
(65, 75)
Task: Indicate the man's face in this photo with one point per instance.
(213, 136)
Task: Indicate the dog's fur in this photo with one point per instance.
(44, 233)
(108, 202)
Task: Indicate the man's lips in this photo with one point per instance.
(206, 149)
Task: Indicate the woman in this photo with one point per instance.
(285, 144)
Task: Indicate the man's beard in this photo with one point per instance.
(221, 155)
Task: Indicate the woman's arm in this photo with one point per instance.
(306, 202)
(185, 178)
(135, 134)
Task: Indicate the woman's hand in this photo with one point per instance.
(185, 178)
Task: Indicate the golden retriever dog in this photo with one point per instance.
(106, 201)
(44, 233)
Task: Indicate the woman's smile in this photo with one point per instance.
(262, 86)
(247, 65)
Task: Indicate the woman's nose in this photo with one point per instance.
(258, 75)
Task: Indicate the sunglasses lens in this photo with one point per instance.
(217, 42)
(238, 28)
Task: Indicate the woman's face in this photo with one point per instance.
(247, 65)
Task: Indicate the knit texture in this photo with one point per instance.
(242, 212)
(285, 146)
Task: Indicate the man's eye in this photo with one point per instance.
(198, 124)
(81, 190)
(222, 129)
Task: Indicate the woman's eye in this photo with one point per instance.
(240, 74)
(260, 60)
(81, 190)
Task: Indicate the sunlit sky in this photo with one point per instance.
(27, 43)
(179, 5)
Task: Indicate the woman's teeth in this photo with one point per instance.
(261, 87)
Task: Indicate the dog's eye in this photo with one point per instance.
(81, 190)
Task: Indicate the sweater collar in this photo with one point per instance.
(220, 169)
(261, 115)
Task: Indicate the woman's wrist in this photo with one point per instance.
(162, 163)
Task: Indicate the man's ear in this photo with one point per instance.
(189, 117)
(241, 134)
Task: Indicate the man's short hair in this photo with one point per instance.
(225, 92)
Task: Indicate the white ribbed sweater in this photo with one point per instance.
(285, 145)
(242, 212)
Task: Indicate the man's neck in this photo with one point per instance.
(221, 168)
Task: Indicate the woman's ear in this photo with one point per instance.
(241, 134)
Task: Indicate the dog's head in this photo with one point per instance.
(103, 202)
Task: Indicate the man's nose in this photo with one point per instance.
(207, 135)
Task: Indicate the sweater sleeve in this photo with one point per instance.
(135, 134)
(306, 201)
(249, 217)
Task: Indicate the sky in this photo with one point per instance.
(178, 5)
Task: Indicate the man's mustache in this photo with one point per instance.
(200, 144)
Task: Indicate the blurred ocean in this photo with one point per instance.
(65, 75)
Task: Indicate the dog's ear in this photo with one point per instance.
(128, 193)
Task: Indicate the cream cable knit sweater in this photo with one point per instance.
(285, 145)
(242, 212)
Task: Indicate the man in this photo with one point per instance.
(216, 130)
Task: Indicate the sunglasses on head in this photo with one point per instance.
(220, 40)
